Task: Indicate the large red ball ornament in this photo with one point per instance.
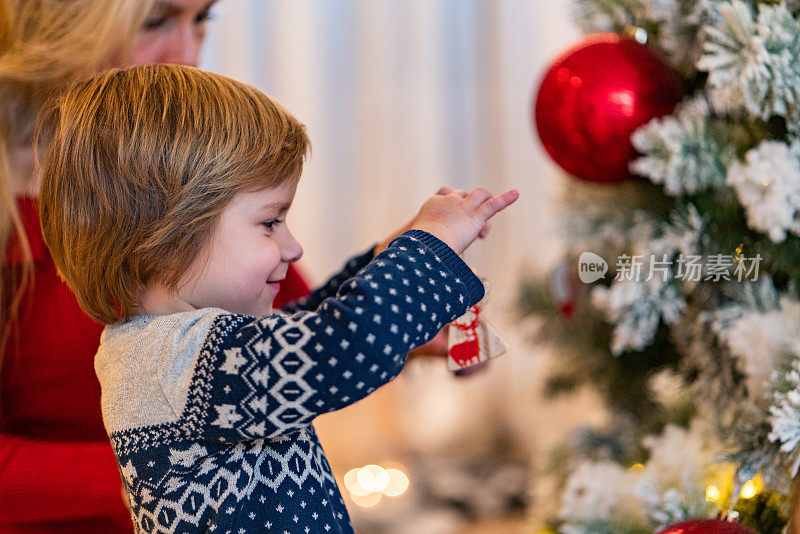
(706, 526)
(593, 98)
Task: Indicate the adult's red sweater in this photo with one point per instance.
(57, 470)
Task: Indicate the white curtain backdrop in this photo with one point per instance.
(401, 97)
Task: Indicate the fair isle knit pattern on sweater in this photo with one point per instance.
(210, 413)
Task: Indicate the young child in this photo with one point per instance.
(163, 202)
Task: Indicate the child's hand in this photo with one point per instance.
(458, 218)
(436, 347)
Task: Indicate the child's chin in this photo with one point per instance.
(258, 311)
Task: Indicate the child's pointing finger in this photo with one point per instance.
(478, 196)
(498, 203)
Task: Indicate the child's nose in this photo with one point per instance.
(291, 250)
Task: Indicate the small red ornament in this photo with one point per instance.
(706, 526)
(565, 290)
(593, 98)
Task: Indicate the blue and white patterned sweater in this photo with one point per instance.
(210, 413)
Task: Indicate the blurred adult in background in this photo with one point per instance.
(57, 470)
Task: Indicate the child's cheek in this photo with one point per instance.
(270, 257)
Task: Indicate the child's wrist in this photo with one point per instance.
(442, 233)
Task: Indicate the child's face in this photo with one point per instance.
(248, 255)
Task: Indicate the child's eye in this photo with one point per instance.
(270, 225)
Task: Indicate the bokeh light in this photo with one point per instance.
(752, 488)
(368, 484)
(713, 493)
(398, 483)
(367, 501)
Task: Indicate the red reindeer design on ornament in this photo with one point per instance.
(465, 348)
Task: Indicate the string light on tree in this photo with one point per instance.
(713, 494)
(752, 488)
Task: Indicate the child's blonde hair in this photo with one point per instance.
(142, 163)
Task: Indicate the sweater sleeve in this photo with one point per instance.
(271, 376)
(42, 481)
(329, 288)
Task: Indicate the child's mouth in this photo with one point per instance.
(274, 284)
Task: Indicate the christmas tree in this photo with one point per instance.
(693, 335)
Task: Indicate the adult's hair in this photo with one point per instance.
(44, 46)
(141, 165)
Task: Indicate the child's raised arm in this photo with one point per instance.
(450, 215)
(270, 376)
(252, 378)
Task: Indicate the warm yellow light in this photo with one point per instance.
(752, 488)
(366, 482)
(350, 477)
(367, 501)
(398, 483)
(749, 490)
(373, 478)
(382, 480)
(712, 493)
(637, 467)
(352, 485)
(357, 489)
